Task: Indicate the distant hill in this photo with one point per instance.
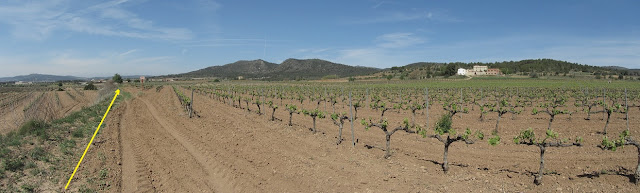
(290, 69)
(123, 77)
(55, 78)
(246, 68)
(39, 78)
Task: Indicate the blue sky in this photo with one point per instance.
(100, 38)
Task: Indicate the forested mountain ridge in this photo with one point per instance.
(522, 67)
(290, 69)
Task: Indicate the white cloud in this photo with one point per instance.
(37, 20)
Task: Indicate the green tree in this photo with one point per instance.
(90, 86)
(450, 70)
(117, 78)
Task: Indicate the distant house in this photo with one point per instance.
(462, 71)
(22, 83)
(479, 71)
(480, 68)
(493, 71)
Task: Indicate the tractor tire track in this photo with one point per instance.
(216, 174)
(135, 173)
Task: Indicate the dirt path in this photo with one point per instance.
(157, 158)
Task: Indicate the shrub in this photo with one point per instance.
(14, 165)
(28, 187)
(90, 86)
(117, 78)
(34, 127)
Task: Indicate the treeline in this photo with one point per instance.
(522, 67)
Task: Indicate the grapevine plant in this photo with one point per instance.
(315, 113)
(443, 127)
(383, 125)
(338, 120)
(528, 137)
(624, 139)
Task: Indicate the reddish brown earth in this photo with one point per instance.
(151, 145)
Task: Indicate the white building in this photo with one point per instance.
(462, 71)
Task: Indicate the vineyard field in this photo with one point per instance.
(233, 147)
(21, 106)
(240, 139)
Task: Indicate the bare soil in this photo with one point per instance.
(151, 145)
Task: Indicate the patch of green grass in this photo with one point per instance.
(30, 165)
(2, 170)
(78, 133)
(71, 118)
(36, 171)
(67, 146)
(13, 139)
(38, 153)
(125, 95)
(85, 189)
(4, 152)
(34, 127)
(14, 165)
(29, 187)
(102, 157)
(103, 173)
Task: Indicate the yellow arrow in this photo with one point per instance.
(94, 135)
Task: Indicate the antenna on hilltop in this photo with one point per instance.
(264, 54)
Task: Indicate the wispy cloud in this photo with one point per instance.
(127, 52)
(220, 42)
(398, 40)
(312, 50)
(394, 17)
(413, 15)
(37, 20)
